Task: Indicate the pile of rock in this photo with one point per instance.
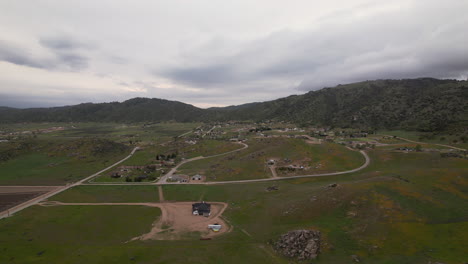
(300, 244)
(272, 188)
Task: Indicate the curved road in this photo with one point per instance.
(366, 163)
(363, 166)
(163, 179)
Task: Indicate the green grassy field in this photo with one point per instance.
(453, 140)
(208, 148)
(139, 132)
(39, 169)
(148, 154)
(251, 162)
(68, 155)
(73, 234)
(56, 162)
(403, 208)
(413, 205)
(111, 193)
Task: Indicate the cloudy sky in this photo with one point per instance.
(216, 53)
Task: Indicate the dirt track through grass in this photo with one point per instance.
(161, 194)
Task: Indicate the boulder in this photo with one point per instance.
(300, 244)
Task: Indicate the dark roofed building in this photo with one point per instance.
(201, 209)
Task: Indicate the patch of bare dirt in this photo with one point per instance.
(11, 196)
(177, 222)
(24, 189)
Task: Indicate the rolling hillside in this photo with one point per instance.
(423, 104)
(133, 110)
(417, 104)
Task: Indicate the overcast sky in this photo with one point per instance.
(216, 53)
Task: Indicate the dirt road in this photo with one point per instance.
(273, 171)
(161, 194)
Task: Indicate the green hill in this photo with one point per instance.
(416, 104)
(423, 104)
(133, 110)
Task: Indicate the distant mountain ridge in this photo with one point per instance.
(133, 110)
(424, 104)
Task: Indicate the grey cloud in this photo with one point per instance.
(396, 45)
(73, 61)
(62, 59)
(66, 50)
(273, 49)
(204, 75)
(118, 59)
(59, 43)
(21, 57)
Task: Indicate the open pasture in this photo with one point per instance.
(405, 207)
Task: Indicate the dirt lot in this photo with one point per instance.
(11, 196)
(176, 221)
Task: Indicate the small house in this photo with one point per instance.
(178, 178)
(197, 177)
(201, 209)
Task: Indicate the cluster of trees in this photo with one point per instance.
(139, 178)
(166, 157)
(364, 146)
(12, 149)
(259, 129)
(459, 154)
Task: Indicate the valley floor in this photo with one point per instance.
(395, 202)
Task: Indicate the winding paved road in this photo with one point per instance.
(163, 181)
(363, 166)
